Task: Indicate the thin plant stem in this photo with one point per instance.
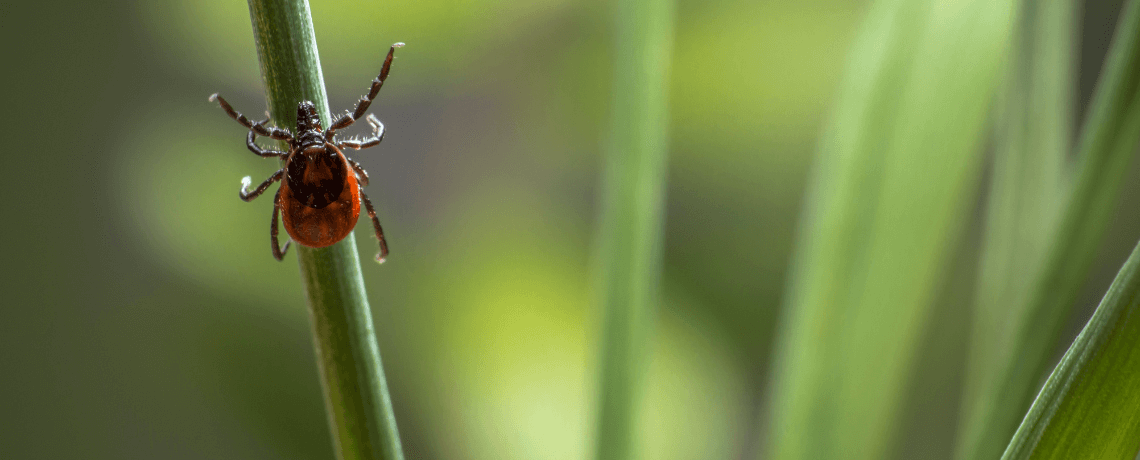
(629, 251)
(355, 390)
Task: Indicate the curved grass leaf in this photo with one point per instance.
(1090, 406)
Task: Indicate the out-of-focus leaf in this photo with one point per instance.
(896, 172)
(1107, 145)
(1028, 185)
(1090, 406)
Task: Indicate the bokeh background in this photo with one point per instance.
(143, 316)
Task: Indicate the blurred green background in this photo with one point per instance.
(144, 317)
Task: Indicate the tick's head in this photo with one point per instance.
(307, 118)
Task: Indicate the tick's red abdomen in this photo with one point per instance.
(320, 227)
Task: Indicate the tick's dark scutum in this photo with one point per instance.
(316, 179)
(315, 172)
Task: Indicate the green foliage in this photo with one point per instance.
(629, 252)
(1012, 367)
(356, 392)
(895, 175)
(1033, 125)
(1090, 406)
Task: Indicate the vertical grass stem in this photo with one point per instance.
(629, 251)
(356, 392)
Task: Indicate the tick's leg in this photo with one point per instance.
(347, 119)
(375, 223)
(257, 150)
(278, 252)
(259, 128)
(361, 174)
(377, 136)
(246, 195)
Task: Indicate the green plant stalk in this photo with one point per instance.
(1089, 406)
(630, 233)
(356, 392)
(1106, 147)
(1028, 186)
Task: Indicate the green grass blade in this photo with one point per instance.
(896, 174)
(1090, 407)
(356, 393)
(629, 246)
(1032, 143)
(1107, 144)
(1028, 186)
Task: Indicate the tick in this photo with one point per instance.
(321, 188)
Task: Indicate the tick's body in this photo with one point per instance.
(320, 197)
(321, 189)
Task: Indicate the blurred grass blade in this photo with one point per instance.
(1032, 143)
(356, 392)
(1108, 141)
(895, 175)
(1090, 407)
(1028, 184)
(632, 205)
